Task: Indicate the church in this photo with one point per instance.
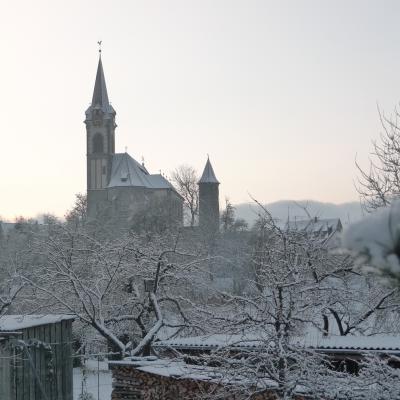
(121, 188)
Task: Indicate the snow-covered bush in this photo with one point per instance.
(376, 241)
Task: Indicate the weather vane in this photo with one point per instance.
(99, 43)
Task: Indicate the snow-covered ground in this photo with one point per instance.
(98, 380)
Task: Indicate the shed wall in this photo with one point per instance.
(32, 369)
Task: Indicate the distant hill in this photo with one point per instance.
(347, 212)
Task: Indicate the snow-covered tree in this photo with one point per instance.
(298, 290)
(376, 242)
(380, 184)
(127, 288)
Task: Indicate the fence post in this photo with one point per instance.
(98, 377)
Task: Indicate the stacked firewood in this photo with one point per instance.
(130, 383)
(126, 384)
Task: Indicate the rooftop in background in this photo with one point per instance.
(316, 225)
(333, 343)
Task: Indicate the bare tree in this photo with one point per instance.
(298, 290)
(78, 213)
(380, 184)
(103, 283)
(15, 260)
(281, 300)
(185, 179)
(228, 216)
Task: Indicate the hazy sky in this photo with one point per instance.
(281, 94)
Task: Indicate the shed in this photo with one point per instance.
(36, 357)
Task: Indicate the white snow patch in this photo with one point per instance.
(98, 380)
(377, 238)
(15, 322)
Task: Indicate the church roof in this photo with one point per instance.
(208, 174)
(127, 172)
(100, 95)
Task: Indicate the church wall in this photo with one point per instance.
(97, 203)
(126, 202)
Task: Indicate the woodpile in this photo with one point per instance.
(126, 384)
(130, 383)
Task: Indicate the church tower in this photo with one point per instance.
(100, 143)
(209, 199)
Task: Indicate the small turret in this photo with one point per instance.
(209, 199)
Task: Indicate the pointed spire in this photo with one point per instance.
(100, 96)
(208, 175)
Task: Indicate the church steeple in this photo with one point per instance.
(100, 95)
(100, 105)
(100, 144)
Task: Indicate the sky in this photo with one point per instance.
(281, 94)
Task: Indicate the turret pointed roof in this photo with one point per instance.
(100, 96)
(208, 175)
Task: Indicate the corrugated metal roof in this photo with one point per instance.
(362, 343)
(389, 343)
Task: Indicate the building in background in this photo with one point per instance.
(118, 186)
(209, 199)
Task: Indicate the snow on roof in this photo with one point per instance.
(16, 322)
(211, 342)
(163, 367)
(376, 342)
(344, 343)
(157, 181)
(208, 175)
(127, 172)
(179, 369)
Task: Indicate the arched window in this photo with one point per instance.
(98, 143)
